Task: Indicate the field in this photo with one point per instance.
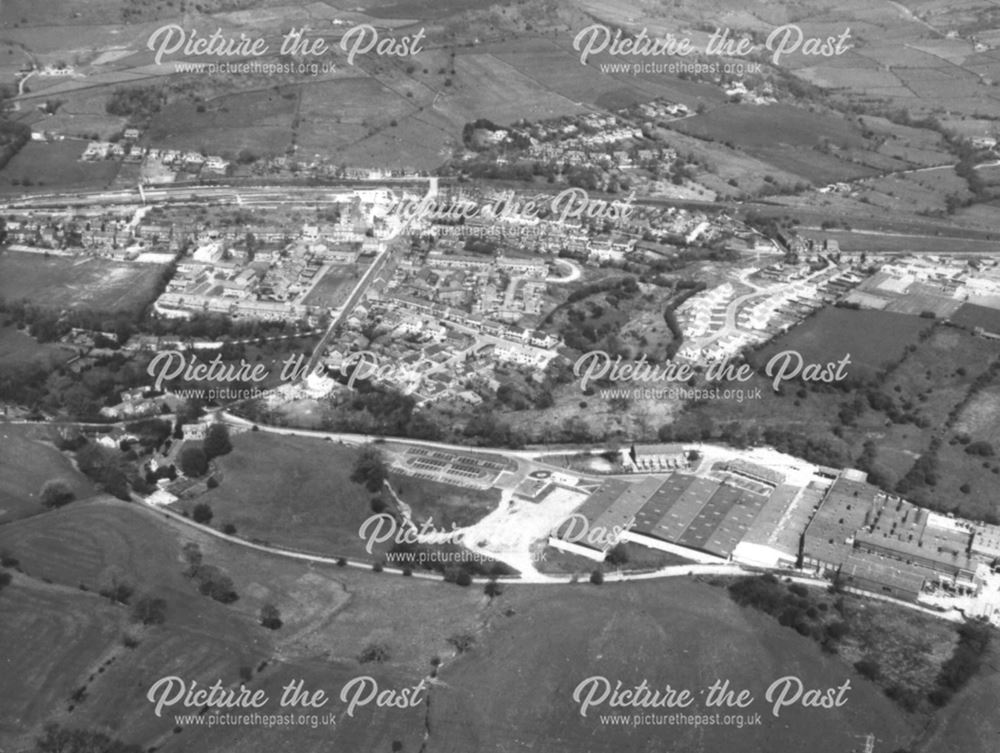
(909, 648)
(971, 316)
(17, 346)
(673, 633)
(899, 413)
(54, 166)
(257, 120)
(492, 88)
(786, 137)
(919, 191)
(61, 634)
(77, 282)
(554, 64)
(969, 722)
(332, 290)
(678, 632)
(27, 463)
(85, 546)
(329, 616)
(297, 492)
(872, 338)
(344, 111)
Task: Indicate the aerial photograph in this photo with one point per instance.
(499, 376)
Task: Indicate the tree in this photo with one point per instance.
(462, 642)
(492, 589)
(117, 590)
(270, 617)
(193, 461)
(374, 652)
(202, 513)
(191, 410)
(150, 610)
(597, 577)
(618, 555)
(56, 493)
(217, 441)
(192, 555)
(370, 468)
(214, 583)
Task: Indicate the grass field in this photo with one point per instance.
(26, 463)
(77, 282)
(333, 289)
(330, 615)
(47, 167)
(757, 127)
(297, 492)
(554, 64)
(17, 346)
(60, 634)
(257, 120)
(339, 113)
(872, 338)
(291, 491)
(489, 87)
(85, 545)
(677, 633)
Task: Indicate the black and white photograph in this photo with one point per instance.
(499, 376)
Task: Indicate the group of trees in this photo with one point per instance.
(136, 102)
(39, 385)
(376, 410)
(57, 493)
(964, 663)
(270, 617)
(210, 580)
(194, 459)
(377, 653)
(211, 326)
(107, 468)
(794, 606)
(149, 610)
(13, 136)
(370, 468)
(202, 513)
(47, 323)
